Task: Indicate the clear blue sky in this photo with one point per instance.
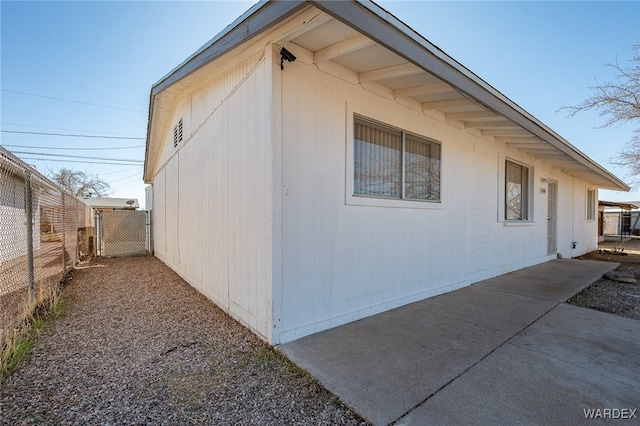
(106, 55)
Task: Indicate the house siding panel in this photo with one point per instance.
(483, 206)
(159, 216)
(172, 201)
(216, 214)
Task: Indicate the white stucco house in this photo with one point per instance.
(319, 162)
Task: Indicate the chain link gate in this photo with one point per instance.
(121, 233)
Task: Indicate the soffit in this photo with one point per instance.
(342, 47)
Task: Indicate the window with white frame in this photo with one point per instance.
(393, 163)
(591, 204)
(516, 193)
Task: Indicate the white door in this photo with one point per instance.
(552, 217)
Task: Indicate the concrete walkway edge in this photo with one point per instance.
(393, 367)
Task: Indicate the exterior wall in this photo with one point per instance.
(612, 219)
(159, 217)
(611, 223)
(148, 204)
(345, 257)
(212, 201)
(148, 197)
(584, 233)
(13, 215)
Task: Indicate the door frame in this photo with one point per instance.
(552, 216)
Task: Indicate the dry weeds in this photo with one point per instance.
(28, 315)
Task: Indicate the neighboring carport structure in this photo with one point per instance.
(622, 219)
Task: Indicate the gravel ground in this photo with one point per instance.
(614, 297)
(137, 345)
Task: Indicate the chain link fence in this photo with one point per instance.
(44, 232)
(122, 233)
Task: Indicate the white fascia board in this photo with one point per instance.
(258, 19)
(146, 177)
(376, 23)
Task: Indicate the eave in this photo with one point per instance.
(408, 69)
(621, 205)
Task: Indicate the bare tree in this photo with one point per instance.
(80, 183)
(619, 102)
(629, 157)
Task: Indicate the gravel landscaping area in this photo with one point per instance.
(137, 345)
(612, 296)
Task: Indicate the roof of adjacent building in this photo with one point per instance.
(360, 42)
(111, 203)
(624, 205)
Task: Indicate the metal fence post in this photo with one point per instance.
(29, 213)
(64, 233)
(98, 239)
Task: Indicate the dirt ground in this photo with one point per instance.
(614, 297)
(138, 345)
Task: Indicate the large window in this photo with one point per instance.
(591, 204)
(516, 192)
(392, 163)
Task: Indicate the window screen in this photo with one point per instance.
(392, 163)
(516, 192)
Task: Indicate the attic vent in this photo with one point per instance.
(177, 134)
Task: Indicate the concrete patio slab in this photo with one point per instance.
(572, 360)
(389, 366)
(557, 280)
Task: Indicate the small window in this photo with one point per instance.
(591, 204)
(516, 191)
(392, 163)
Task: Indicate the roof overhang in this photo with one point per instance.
(621, 205)
(111, 203)
(362, 43)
